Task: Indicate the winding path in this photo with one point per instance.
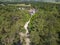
(27, 40)
(26, 35)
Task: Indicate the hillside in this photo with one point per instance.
(12, 21)
(19, 27)
(44, 27)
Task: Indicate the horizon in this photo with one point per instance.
(29, 0)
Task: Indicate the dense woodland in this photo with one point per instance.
(12, 21)
(44, 28)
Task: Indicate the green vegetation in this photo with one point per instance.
(44, 27)
(12, 21)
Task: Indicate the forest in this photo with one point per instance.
(12, 21)
(44, 27)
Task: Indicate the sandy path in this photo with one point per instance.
(25, 35)
(27, 40)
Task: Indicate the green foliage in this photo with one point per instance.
(12, 22)
(44, 27)
(45, 24)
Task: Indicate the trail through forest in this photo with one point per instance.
(25, 36)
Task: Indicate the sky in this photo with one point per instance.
(30, 0)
